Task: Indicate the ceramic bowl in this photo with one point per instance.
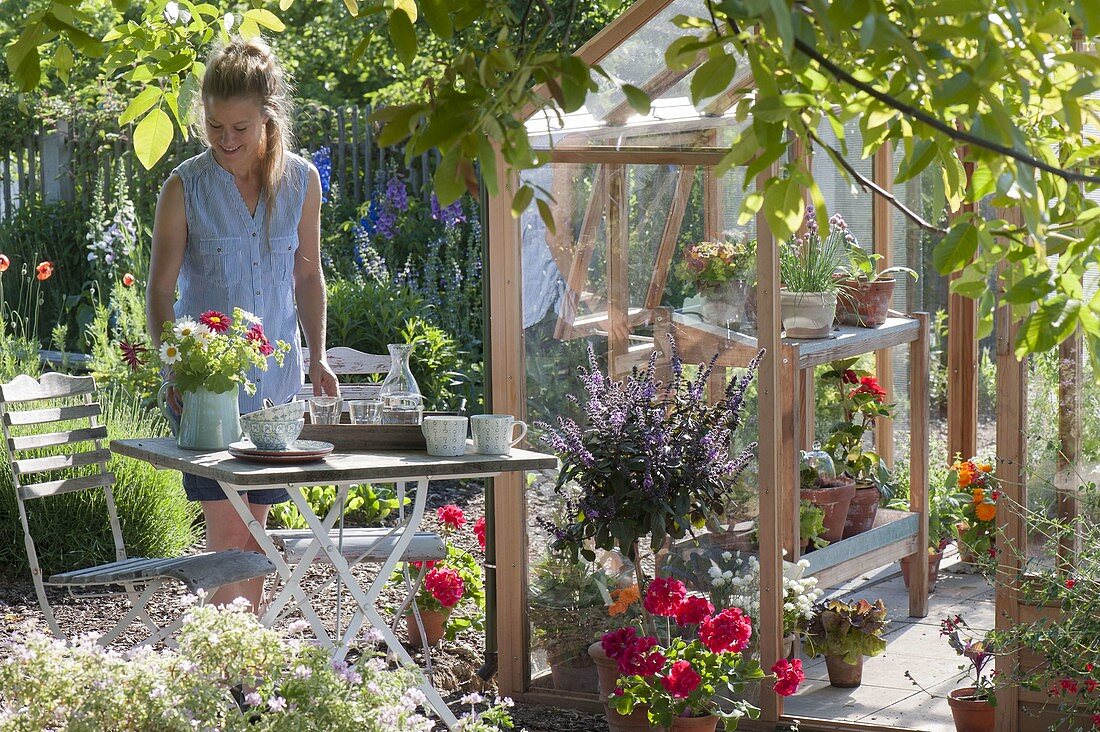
(278, 413)
(272, 434)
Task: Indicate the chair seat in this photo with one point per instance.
(198, 571)
(362, 545)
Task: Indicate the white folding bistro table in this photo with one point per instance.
(342, 469)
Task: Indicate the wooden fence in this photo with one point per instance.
(66, 162)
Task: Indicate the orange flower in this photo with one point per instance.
(623, 599)
(4, 263)
(128, 280)
(985, 468)
(985, 511)
(966, 474)
(44, 271)
(979, 495)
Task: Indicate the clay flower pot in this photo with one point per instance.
(696, 724)
(934, 559)
(970, 715)
(832, 498)
(864, 303)
(862, 510)
(574, 674)
(608, 672)
(435, 625)
(844, 675)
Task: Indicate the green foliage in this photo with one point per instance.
(367, 315)
(862, 400)
(72, 530)
(120, 319)
(848, 630)
(861, 266)
(811, 524)
(569, 604)
(366, 505)
(809, 264)
(469, 613)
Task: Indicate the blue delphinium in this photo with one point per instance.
(651, 459)
(322, 158)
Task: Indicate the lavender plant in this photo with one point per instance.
(652, 459)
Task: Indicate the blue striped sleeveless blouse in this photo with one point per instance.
(234, 259)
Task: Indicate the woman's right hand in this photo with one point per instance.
(175, 401)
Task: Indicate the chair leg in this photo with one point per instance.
(135, 612)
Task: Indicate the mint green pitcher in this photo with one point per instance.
(209, 421)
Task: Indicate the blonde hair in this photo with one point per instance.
(249, 68)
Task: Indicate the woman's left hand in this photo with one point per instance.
(323, 380)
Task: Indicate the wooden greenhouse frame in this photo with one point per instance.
(785, 379)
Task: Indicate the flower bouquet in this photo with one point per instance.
(723, 274)
(699, 671)
(978, 492)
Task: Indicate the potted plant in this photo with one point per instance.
(807, 267)
(820, 486)
(971, 705)
(846, 633)
(862, 400)
(866, 293)
(977, 490)
(811, 526)
(945, 511)
(692, 681)
(723, 274)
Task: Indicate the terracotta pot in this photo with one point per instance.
(788, 646)
(695, 724)
(724, 305)
(844, 675)
(608, 673)
(834, 500)
(575, 674)
(435, 624)
(970, 715)
(934, 559)
(864, 303)
(807, 314)
(862, 510)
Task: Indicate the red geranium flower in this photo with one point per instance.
(418, 565)
(445, 585)
(788, 675)
(664, 596)
(616, 643)
(682, 679)
(451, 516)
(44, 271)
(215, 321)
(4, 263)
(869, 385)
(693, 610)
(128, 280)
(479, 532)
(729, 630)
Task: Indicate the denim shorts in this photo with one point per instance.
(199, 488)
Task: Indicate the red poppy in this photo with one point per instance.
(215, 321)
(128, 280)
(44, 271)
(4, 263)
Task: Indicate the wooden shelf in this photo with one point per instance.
(894, 536)
(847, 341)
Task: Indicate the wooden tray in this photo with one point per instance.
(347, 436)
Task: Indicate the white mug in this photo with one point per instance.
(494, 433)
(445, 436)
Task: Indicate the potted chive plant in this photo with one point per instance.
(808, 266)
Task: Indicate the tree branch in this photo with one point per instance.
(871, 187)
(936, 124)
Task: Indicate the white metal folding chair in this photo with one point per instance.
(61, 433)
(362, 544)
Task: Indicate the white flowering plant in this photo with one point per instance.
(288, 683)
(213, 352)
(735, 582)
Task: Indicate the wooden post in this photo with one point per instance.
(806, 408)
(354, 154)
(882, 167)
(918, 462)
(368, 154)
(770, 388)
(1070, 379)
(618, 279)
(712, 198)
(507, 394)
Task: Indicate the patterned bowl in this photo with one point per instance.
(277, 413)
(269, 434)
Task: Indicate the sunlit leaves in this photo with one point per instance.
(152, 137)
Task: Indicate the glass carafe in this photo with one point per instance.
(401, 400)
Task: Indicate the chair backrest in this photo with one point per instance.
(71, 434)
(349, 362)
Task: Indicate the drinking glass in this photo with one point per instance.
(325, 409)
(365, 411)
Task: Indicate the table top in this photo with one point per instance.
(342, 466)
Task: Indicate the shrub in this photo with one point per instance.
(120, 318)
(72, 530)
(366, 505)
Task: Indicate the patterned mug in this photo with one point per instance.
(494, 434)
(445, 436)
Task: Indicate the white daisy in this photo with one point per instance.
(202, 335)
(169, 352)
(249, 317)
(185, 328)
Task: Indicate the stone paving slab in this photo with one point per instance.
(819, 700)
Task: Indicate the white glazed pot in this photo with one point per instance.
(808, 314)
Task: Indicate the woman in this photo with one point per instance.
(240, 225)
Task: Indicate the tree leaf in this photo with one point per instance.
(140, 104)
(438, 18)
(266, 18)
(546, 215)
(403, 36)
(353, 7)
(63, 61)
(638, 99)
(522, 200)
(712, 78)
(956, 249)
(152, 137)
(784, 207)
